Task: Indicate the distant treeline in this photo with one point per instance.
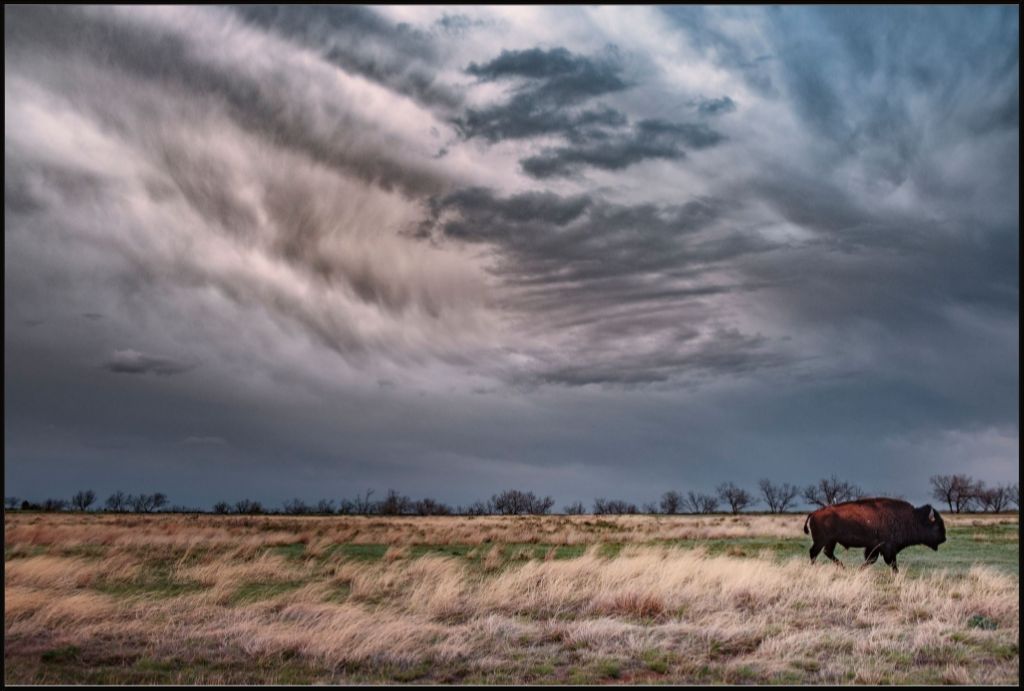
(960, 493)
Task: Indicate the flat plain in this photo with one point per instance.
(179, 598)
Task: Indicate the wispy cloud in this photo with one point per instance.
(133, 362)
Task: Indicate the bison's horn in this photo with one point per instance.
(931, 515)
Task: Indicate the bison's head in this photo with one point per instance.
(933, 530)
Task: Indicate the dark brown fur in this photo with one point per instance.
(881, 526)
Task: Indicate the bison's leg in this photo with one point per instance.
(815, 548)
(889, 554)
(830, 553)
(870, 555)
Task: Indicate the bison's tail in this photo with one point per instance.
(806, 523)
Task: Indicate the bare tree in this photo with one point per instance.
(55, 505)
(480, 508)
(118, 501)
(138, 503)
(995, 499)
(147, 503)
(697, 502)
(957, 491)
(222, 507)
(540, 506)
(296, 507)
(431, 507)
(513, 502)
(778, 497)
(11, 502)
(394, 504)
(671, 502)
(83, 500)
(362, 504)
(614, 506)
(736, 497)
(575, 509)
(831, 491)
(1014, 494)
(510, 502)
(248, 506)
(325, 506)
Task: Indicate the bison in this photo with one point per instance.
(880, 526)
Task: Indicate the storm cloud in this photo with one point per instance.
(282, 251)
(130, 361)
(553, 83)
(615, 151)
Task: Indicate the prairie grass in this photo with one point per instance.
(506, 600)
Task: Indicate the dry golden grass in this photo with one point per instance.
(316, 532)
(216, 600)
(70, 530)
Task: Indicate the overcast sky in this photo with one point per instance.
(306, 251)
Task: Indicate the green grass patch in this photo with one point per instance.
(148, 589)
(369, 552)
(155, 581)
(340, 593)
(62, 654)
(452, 550)
(158, 666)
(545, 669)
(86, 551)
(569, 551)
(24, 552)
(579, 676)
(656, 661)
(81, 669)
(980, 621)
(787, 678)
(412, 672)
(608, 669)
(994, 545)
(254, 592)
(294, 550)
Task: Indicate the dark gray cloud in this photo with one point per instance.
(649, 139)
(521, 117)
(556, 76)
(130, 361)
(613, 275)
(727, 352)
(555, 83)
(458, 25)
(716, 106)
(555, 238)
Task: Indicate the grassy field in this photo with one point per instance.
(645, 599)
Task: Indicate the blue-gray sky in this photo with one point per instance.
(585, 251)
